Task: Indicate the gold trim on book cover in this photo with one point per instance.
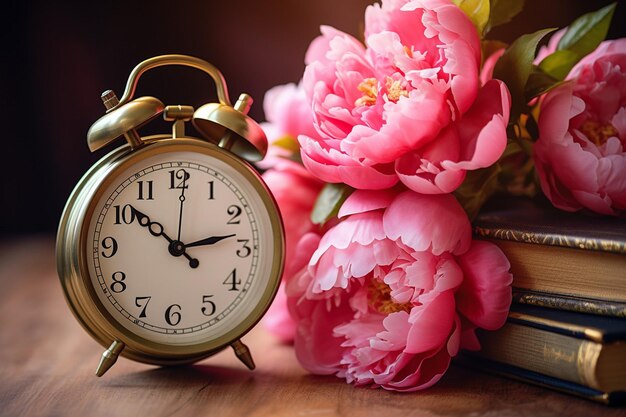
(563, 302)
(587, 358)
(578, 242)
(590, 333)
(491, 366)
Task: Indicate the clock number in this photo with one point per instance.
(245, 250)
(235, 211)
(143, 310)
(141, 188)
(181, 175)
(231, 280)
(125, 214)
(211, 190)
(205, 300)
(109, 243)
(118, 284)
(173, 318)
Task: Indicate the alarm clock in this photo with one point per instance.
(171, 247)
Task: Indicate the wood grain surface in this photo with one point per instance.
(47, 365)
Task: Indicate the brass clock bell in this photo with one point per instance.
(220, 122)
(171, 248)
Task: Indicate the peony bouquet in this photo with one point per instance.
(386, 149)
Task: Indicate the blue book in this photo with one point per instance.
(582, 354)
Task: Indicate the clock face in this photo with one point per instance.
(180, 248)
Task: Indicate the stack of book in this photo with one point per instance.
(567, 326)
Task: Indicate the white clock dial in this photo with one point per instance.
(179, 248)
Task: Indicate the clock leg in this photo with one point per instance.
(109, 357)
(243, 353)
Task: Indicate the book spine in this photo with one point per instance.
(608, 398)
(485, 230)
(570, 272)
(580, 305)
(549, 353)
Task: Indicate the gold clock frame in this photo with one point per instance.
(74, 273)
(230, 136)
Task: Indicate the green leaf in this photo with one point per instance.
(476, 189)
(329, 201)
(582, 37)
(586, 32)
(477, 11)
(558, 64)
(539, 83)
(502, 11)
(515, 67)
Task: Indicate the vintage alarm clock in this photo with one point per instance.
(171, 248)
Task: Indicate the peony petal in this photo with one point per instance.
(330, 166)
(594, 202)
(393, 338)
(431, 324)
(317, 349)
(489, 65)
(485, 294)
(277, 320)
(286, 107)
(483, 128)
(362, 228)
(363, 201)
(619, 122)
(411, 218)
(421, 171)
(557, 108)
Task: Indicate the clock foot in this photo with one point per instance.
(109, 357)
(243, 353)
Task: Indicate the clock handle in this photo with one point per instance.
(174, 59)
(221, 123)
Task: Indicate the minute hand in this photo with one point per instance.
(208, 241)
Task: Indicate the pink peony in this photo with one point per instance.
(295, 191)
(395, 290)
(293, 187)
(486, 73)
(278, 320)
(408, 107)
(288, 115)
(580, 155)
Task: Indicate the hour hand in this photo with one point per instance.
(155, 228)
(208, 241)
(175, 247)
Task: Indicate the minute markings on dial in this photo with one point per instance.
(248, 218)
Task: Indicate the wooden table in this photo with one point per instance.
(47, 365)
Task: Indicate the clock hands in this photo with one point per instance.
(182, 202)
(175, 248)
(208, 241)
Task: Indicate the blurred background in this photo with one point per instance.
(60, 56)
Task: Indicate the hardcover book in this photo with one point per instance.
(583, 349)
(558, 259)
(535, 378)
